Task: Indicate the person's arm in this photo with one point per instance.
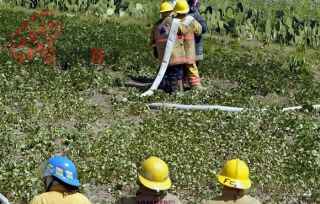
(196, 27)
(202, 22)
(183, 29)
(152, 39)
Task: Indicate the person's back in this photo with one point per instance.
(59, 195)
(235, 179)
(194, 29)
(158, 40)
(153, 180)
(232, 195)
(60, 183)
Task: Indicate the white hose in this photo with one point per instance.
(299, 107)
(166, 58)
(195, 107)
(211, 107)
(4, 199)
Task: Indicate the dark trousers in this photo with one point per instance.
(171, 78)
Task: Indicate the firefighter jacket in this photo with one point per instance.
(148, 196)
(198, 39)
(233, 195)
(158, 40)
(195, 29)
(59, 195)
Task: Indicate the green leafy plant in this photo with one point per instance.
(297, 63)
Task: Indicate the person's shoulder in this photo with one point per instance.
(39, 199)
(196, 15)
(158, 22)
(195, 22)
(169, 18)
(84, 198)
(218, 199)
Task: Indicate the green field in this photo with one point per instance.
(73, 107)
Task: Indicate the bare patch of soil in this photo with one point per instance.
(99, 194)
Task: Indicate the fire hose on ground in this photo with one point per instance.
(212, 107)
(3, 199)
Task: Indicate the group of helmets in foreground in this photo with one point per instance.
(62, 186)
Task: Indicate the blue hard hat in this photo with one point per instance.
(63, 169)
(194, 4)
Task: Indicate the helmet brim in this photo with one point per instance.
(233, 183)
(72, 182)
(165, 11)
(155, 185)
(182, 11)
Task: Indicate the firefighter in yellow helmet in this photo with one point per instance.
(235, 179)
(158, 40)
(153, 179)
(195, 29)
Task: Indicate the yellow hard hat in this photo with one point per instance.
(154, 174)
(235, 174)
(165, 6)
(182, 6)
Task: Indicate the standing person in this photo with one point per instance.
(153, 180)
(60, 184)
(158, 40)
(235, 178)
(194, 5)
(195, 29)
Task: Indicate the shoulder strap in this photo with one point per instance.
(188, 20)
